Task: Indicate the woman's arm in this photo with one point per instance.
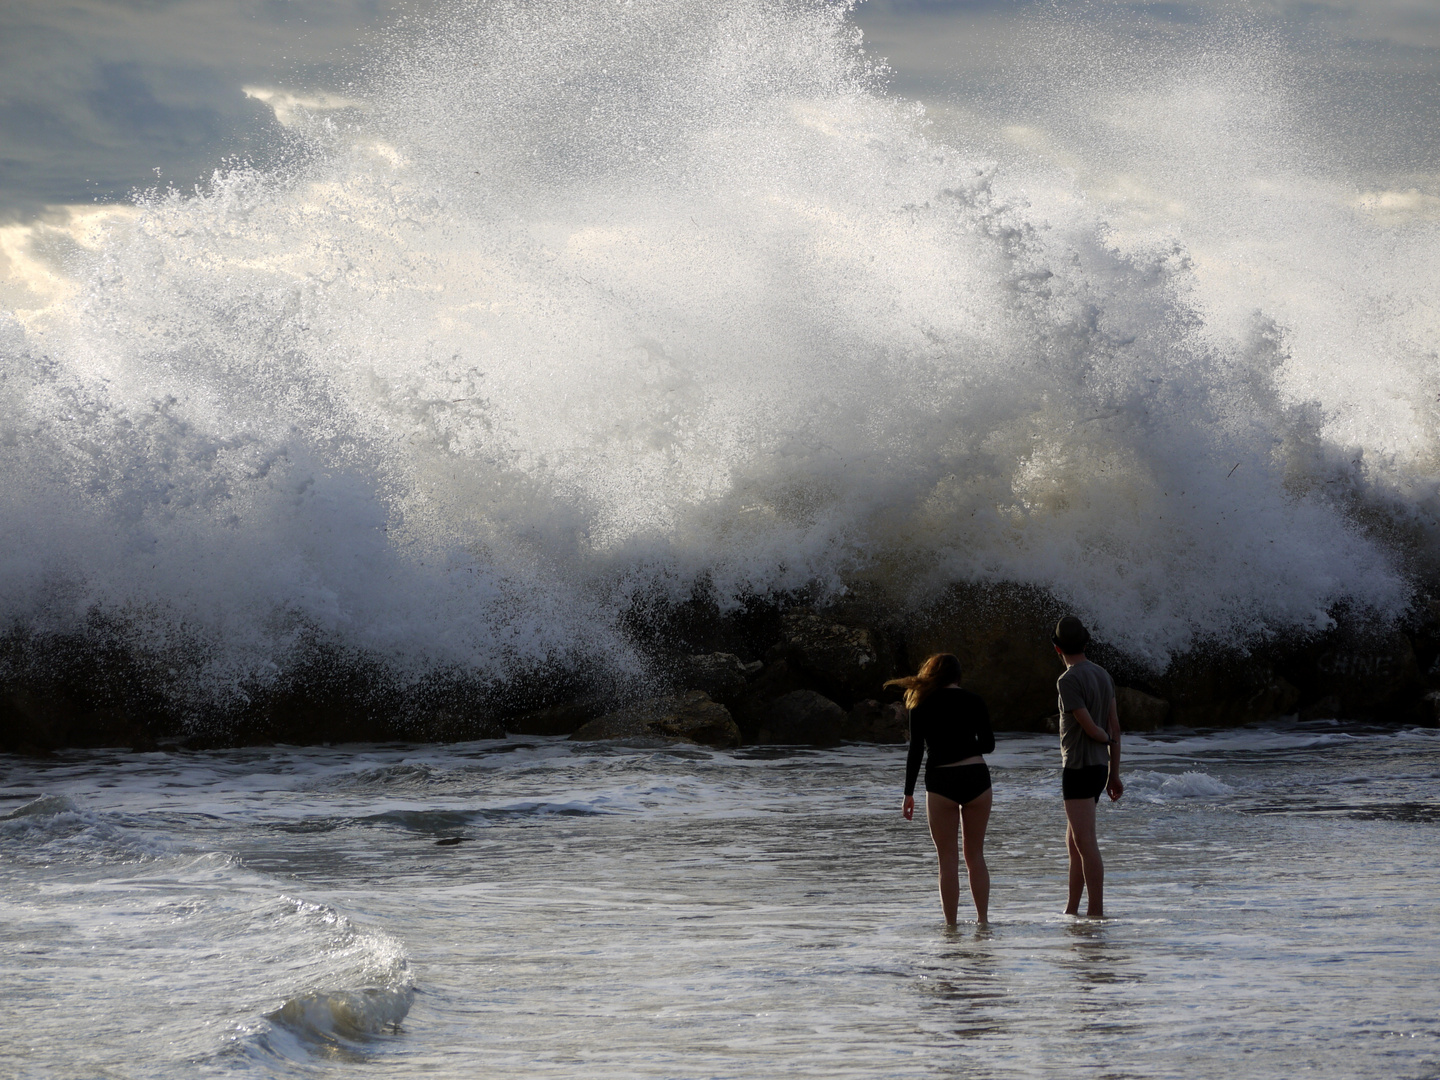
(984, 733)
(912, 765)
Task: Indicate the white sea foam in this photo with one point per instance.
(1162, 787)
(587, 300)
(55, 827)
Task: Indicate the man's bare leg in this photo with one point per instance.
(1080, 839)
(943, 815)
(974, 816)
(1077, 873)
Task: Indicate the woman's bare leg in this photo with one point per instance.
(944, 817)
(974, 816)
(1084, 849)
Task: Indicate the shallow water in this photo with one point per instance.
(621, 912)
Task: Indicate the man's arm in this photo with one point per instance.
(1088, 725)
(1113, 786)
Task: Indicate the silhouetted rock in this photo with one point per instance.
(874, 721)
(1140, 711)
(556, 720)
(1369, 675)
(751, 708)
(719, 674)
(803, 716)
(1226, 691)
(1001, 636)
(689, 717)
(844, 661)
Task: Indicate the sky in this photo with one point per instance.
(101, 97)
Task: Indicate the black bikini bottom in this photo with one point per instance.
(1084, 783)
(959, 783)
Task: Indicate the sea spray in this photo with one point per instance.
(576, 304)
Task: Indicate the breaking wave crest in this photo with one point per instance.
(361, 988)
(580, 303)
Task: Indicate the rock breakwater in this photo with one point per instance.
(784, 671)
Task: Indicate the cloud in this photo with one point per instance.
(1400, 207)
(292, 109)
(95, 95)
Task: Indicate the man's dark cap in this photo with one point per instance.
(1071, 635)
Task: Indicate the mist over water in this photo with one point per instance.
(573, 304)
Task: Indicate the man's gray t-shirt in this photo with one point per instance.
(1084, 686)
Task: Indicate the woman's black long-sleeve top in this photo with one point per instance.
(954, 724)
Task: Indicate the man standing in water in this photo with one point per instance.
(1090, 760)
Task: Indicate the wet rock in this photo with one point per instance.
(445, 725)
(752, 707)
(1140, 711)
(36, 721)
(1432, 706)
(1227, 691)
(719, 674)
(844, 661)
(556, 720)
(874, 721)
(1002, 637)
(1327, 708)
(621, 724)
(689, 717)
(803, 717)
(1374, 676)
(700, 720)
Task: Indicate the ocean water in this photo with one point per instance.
(649, 911)
(559, 309)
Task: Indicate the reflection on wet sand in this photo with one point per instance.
(967, 980)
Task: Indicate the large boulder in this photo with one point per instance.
(722, 675)
(752, 707)
(1375, 676)
(802, 717)
(1001, 636)
(38, 722)
(845, 662)
(690, 717)
(556, 720)
(874, 721)
(1226, 691)
(1140, 711)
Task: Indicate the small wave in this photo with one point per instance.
(443, 821)
(54, 826)
(1160, 787)
(386, 776)
(359, 988)
(44, 806)
(345, 1014)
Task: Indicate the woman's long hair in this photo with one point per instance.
(938, 670)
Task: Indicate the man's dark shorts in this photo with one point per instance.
(1085, 783)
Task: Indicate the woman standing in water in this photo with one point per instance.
(954, 725)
